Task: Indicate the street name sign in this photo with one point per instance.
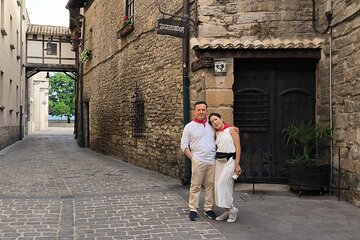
(171, 27)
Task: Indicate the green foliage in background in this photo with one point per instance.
(62, 96)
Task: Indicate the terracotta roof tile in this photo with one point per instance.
(223, 43)
(48, 30)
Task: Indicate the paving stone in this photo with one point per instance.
(52, 189)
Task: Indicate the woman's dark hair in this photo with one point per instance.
(214, 114)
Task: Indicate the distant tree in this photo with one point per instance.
(61, 109)
(62, 96)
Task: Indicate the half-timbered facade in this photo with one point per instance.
(49, 49)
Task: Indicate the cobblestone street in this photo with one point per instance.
(52, 189)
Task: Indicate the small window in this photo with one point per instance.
(130, 9)
(138, 115)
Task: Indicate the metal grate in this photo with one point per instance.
(139, 116)
(130, 9)
(252, 110)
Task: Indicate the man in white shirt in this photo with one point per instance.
(198, 144)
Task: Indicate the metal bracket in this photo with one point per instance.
(177, 16)
(32, 72)
(70, 76)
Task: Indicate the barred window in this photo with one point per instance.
(130, 9)
(252, 110)
(138, 116)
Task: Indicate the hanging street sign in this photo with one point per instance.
(171, 27)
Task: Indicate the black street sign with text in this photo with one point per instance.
(171, 27)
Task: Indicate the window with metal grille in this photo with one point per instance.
(138, 116)
(252, 110)
(130, 9)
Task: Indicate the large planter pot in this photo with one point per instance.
(308, 177)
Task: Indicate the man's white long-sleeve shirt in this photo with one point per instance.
(200, 139)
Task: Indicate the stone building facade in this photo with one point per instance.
(343, 52)
(299, 48)
(12, 72)
(38, 102)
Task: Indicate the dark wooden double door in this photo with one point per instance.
(268, 95)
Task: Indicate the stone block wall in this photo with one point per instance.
(259, 19)
(243, 20)
(12, 76)
(151, 65)
(293, 19)
(344, 55)
(142, 62)
(8, 135)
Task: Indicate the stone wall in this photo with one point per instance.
(293, 19)
(12, 76)
(249, 20)
(151, 64)
(142, 61)
(8, 135)
(344, 55)
(260, 19)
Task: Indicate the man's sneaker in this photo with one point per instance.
(210, 214)
(233, 215)
(223, 216)
(193, 216)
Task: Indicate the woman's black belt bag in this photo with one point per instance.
(225, 155)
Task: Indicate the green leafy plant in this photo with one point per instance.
(85, 55)
(62, 96)
(126, 27)
(303, 138)
(126, 22)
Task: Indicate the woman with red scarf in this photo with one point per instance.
(227, 166)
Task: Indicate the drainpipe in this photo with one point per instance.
(185, 180)
(81, 79)
(328, 13)
(72, 5)
(21, 71)
(81, 86)
(330, 108)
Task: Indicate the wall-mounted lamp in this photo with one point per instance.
(47, 75)
(49, 47)
(219, 66)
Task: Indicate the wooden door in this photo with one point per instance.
(268, 95)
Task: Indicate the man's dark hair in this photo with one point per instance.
(200, 102)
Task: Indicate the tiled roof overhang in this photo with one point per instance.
(268, 48)
(48, 30)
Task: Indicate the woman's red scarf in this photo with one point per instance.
(224, 127)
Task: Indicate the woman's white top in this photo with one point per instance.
(224, 141)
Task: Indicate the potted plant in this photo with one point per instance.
(306, 169)
(125, 28)
(85, 55)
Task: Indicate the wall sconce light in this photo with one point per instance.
(49, 48)
(47, 75)
(219, 66)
